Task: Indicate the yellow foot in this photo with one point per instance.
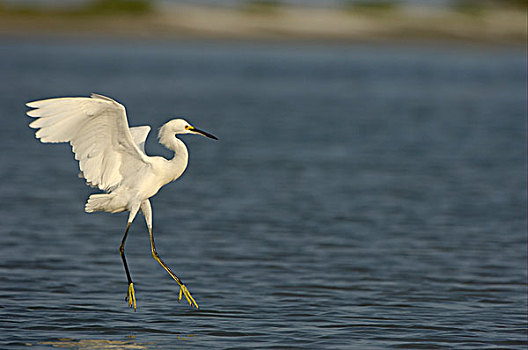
(188, 296)
(131, 296)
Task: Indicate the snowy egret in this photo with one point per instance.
(112, 158)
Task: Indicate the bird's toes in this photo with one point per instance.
(131, 296)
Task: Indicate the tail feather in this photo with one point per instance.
(104, 202)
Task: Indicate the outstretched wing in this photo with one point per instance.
(139, 135)
(97, 129)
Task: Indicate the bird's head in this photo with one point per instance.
(181, 126)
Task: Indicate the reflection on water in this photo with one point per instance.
(93, 344)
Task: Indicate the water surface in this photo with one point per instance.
(359, 197)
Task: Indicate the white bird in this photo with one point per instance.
(112, 158)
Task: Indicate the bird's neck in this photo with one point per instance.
(181, 156)
(180, 150)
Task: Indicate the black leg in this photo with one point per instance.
(122, 253)
(130, 297)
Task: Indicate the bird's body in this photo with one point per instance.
(145, 184)
(112, 158)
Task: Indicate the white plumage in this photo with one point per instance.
(112, 157)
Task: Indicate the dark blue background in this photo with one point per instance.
(359, 197)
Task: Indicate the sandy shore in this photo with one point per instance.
(505, 26)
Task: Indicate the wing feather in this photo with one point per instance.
(97, 129)
(139, 135)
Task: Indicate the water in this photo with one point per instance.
(359, 197)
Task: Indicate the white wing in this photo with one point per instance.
(139, 135)
(97, 129)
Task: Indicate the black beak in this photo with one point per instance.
(201, 132)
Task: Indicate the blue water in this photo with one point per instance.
(359, 197)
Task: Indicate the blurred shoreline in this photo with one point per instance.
(497, 26)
